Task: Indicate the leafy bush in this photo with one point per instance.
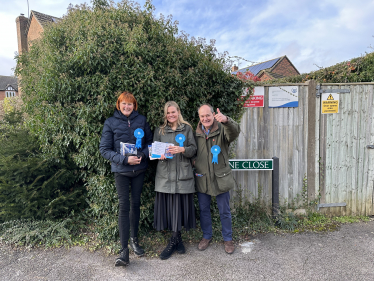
(31, 233)
(9, 105)
(72, 75)
(30, 186)
(287, 221)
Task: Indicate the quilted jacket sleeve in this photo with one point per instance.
(107, 146)
(231, 130)
(191, 144)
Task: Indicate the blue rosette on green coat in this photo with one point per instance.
(180, 138)
(215, 151)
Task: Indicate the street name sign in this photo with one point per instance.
(251, 164)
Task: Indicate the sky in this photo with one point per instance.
(311, 34)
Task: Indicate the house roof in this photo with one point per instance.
(281, 58)
(271, 74)
(268, 66)
(6, 81)
(43, 19)
(255, 69)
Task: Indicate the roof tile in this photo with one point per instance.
(43, 19)
(255, 69)
(8, 80)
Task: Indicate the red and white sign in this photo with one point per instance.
(257, 100)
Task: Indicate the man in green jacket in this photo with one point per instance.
(213, 173)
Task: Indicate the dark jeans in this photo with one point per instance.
(128, 219)
(223, 203)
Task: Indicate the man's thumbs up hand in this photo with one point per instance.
(220, 117)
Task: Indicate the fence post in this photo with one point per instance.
(275, 187)
(311, 144)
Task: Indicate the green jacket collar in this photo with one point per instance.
(180, 128)
(213, 131)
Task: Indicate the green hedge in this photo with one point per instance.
(72, 75)
(32, 187)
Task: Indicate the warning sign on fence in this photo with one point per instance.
(257, 99)
(330, 103)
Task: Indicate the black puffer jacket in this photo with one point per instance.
(120, 128)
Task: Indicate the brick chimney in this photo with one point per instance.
(21, 23)
(234, 68)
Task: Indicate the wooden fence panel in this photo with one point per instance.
(342, 169)
(268, 132)
(367, 138)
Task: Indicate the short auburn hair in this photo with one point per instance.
(127, 97)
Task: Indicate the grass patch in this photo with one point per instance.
(350, 219)
(316, 222)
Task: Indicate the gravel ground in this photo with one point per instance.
(347, 254)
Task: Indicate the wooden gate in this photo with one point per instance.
(346, 158)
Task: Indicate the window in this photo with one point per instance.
(10, 94)
(10, 91)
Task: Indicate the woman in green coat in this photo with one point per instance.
(175, 186)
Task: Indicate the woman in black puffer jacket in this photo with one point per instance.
(128, 170)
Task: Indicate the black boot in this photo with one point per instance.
(123, 259)
(180, 247)
(170, 248)
(136, 247)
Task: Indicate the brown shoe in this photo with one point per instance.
(204, 243)
(229, 247)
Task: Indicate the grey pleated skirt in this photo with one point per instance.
(174, 211)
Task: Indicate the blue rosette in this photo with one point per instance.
(180, 138)
(139, 134)
(215, 151)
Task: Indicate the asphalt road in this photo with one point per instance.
(347, 254)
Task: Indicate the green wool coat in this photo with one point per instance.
(216, 178)
(176, 175)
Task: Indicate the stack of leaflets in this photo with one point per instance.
(128, 149)
(167, 153)
(158, 148)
